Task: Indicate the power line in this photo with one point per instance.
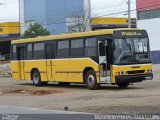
(41, 16)
(106, 7)
(130, 10)
(116, 13)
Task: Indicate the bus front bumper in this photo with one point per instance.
(133, 78)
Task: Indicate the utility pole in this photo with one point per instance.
(88, 15)
(129, 14)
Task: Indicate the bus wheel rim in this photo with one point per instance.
(36, 78)
(91, 80)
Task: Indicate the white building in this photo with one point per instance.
(148, 15)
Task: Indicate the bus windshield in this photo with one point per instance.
(131, 51)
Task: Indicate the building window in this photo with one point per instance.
(63, 49)
(91, 47)
(39, 52)
(77, 48)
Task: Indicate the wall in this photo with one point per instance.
(8, 31)
(50, 13)
(153, 27)
(147, 4)
(9, 28)
(111, 21)
(149, 19)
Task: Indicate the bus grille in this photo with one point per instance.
(136, 72)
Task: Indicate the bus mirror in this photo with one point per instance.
(105, 43)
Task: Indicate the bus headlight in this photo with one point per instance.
(120, 73)
(123, 73)
(148, 71)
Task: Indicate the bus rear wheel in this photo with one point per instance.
(36, 78)
(123, 85)
(91, 80)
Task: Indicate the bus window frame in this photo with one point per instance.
(83, 48)
(29, 51)
(57, 50)
(33, 52)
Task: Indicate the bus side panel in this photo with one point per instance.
(15, 70)
(76, 70)
(126, 68)
(77, 66)
(60, 70)
(36, 64)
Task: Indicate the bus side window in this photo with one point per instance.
(39, 52)
(91, 47)
(63, 49)
(77, 48)
(14, 52)
(29, 51)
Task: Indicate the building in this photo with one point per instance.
(109, 23)
(8, 31)
(57, 16)
(148, 15)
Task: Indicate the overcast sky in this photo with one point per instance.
(9, 9)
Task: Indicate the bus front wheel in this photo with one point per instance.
(91, 80)
(123, 85)
(36, 78)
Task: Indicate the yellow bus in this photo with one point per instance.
(115, 56)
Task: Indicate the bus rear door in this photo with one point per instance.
(51, 49)
(21, 63)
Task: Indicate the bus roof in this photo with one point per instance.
(71, 35)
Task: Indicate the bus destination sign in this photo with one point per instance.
(131, 33)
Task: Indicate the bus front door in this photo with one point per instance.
(51, 49)
(21, 65)
(103, 63)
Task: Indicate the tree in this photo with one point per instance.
(35, 30)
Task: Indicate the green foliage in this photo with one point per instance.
(35, 30)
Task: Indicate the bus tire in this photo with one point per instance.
(123, 85)
(36, 78)
(91, 80)
(64, 83)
